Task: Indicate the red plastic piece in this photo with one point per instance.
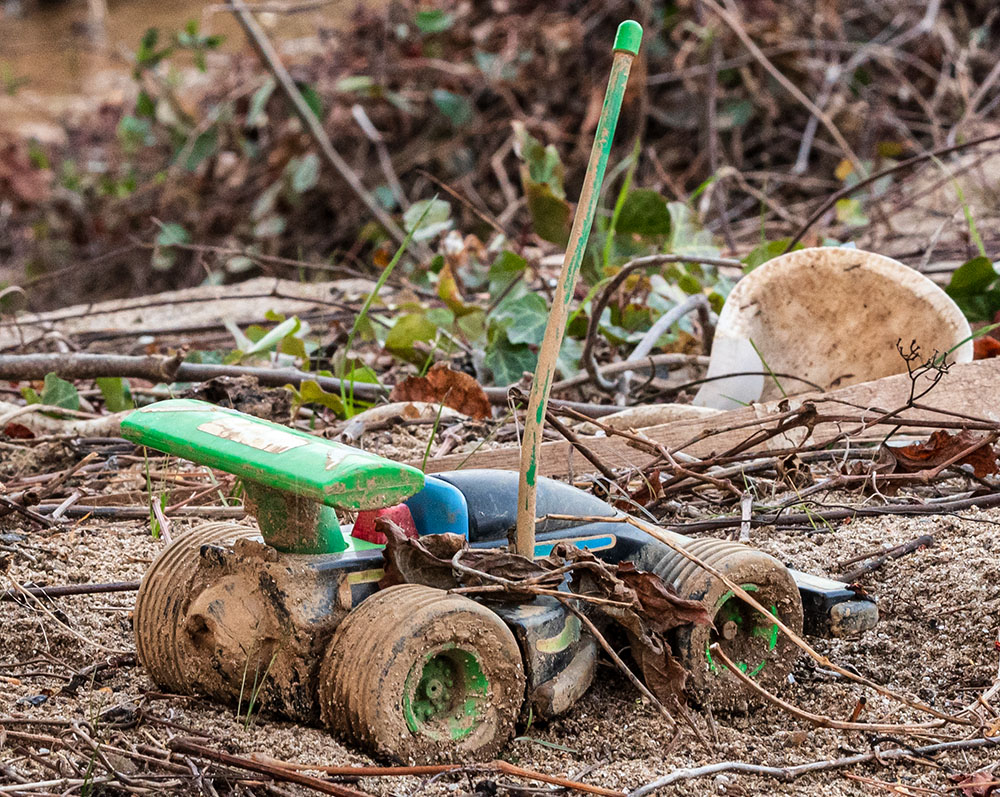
(364, 525)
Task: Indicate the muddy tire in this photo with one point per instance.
(163, 597)
(757, 646)
(416, 674)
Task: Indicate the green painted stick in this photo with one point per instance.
(626, 48)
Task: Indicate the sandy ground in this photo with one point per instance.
(936, 641)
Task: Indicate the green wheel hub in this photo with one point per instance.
(740, 626)
(445, 694)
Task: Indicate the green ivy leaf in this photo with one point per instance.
(687, 237)
(508, 361)
(255, 114)
(60, 393)
(543, 163)
(767, 251)
(523, 319)
(550, 214)
(169, 236)
(361, 373)
(473, 327)
(644, 213)
(504, 270)
(971, 287)
(972, 277)
(204, 147)
(309, 392)
(568, 362)
(542, 180)
(406, 332)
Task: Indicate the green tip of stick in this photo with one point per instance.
(629, 37)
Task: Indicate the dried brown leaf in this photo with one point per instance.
(18, 431)
(663, 674)
(19, 179)
(942, 447)
(442, 385)
(648, 491)
(425, 560)
(985, 348)
(660, 605)
(794, 472)
(976, 784)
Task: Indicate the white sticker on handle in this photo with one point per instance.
(253, 434)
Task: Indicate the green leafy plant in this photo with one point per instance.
(56, 392)
(975, 290)
(286, 339)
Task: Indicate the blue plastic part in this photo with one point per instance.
(439, 508)
(583, 544)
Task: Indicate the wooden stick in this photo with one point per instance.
(282, 772)
(967, 387)
(797, 770)
(879, 558)
(626, 48)
(82, 365)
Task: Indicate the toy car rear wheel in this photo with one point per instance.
(164, 595)
(756, 645)
(416, 674)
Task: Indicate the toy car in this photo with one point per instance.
(289, 614)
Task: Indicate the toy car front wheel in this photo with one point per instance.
(164, 595)
(416, 674)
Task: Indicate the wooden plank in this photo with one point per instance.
(968, 388)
